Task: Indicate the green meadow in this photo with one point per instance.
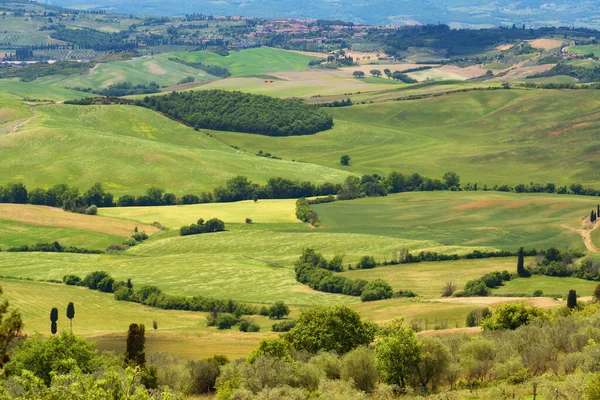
(129, 149)
(36, 90)
(489, 137)
(585, 49)
(261, 60)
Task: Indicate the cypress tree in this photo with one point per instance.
(521, 271)
(136, 343)
(572, 299)
(54, 320)
(71, 314)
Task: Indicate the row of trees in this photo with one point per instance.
(214, 70)
(240, 112)
(212, 225)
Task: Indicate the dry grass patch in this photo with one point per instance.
(50, 216)
(546, 44)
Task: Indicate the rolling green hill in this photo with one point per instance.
(491, 137)
(261, 60)
(129, 149)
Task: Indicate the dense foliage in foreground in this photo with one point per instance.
(240, 112)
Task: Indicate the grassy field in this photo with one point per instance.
(464, 219)
(491, 137)
(255, 61)
(420, 277)
(263, 211)
(141, 70)
(585, 49)
(17, 90)
(549, 285)
(129, 149)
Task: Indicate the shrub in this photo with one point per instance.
(511, 316)
(278, 310)
(475, 288)
(248, 220)
(264, 311)
(359, 367)
(538, 293)
(366, 262)
(225, 321)
(71, 280)
(275, 348)
(203, 376)
(91, 210)
(449, 289)
(248, 325)
(106, 285)
(405, 293)
(92, 280)
(377, 290)
(283, 326)
(329, 363)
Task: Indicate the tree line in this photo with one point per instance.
(240, 112)
(31, 72)
(214, 70)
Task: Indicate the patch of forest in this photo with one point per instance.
(241, 112)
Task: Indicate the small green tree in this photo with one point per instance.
(511, 316)
(345, 160)
(452, 180)
(278, 310)
(71, 314)
(398, 354)
(136, 344)
(53, 320)
(572, 299)
(376, 73)
(358, 74)
(597, 293)
(359, 366)
(521, 271)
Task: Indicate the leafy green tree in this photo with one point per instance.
(398, 354)
(572, 299)
(278, 310)
(53, 320)
(203, 376)
(360, 367)
(366, 262)
(334, 328)
(451, 179)
(345, 160)
(511, 316)
(358, 74)
(377, 290)
(278, 348)
(71, 314)
(435, 359)
(376, 72)
(136, 344)
(62, 353)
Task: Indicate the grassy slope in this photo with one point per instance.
(585, 49)
(476, 219)
(549, 285)
(141, 70)
(487, 137)
(249, 62)
(128, 149)
(14, 89)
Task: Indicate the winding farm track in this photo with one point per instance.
(586, 234)
(18, 125)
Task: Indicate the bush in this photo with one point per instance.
(538, 293)
(72, 280)
(92, 280)
(377, 290)
(106, 285)
(283, 326)
(366, 262)
(278, 310)
(91, 210)
(511, 316)
(359, 367)
(329, 363)
(212, 225)
(248, 325)
(248, 220)
(225, 321)
(203, 376)
(475, 288)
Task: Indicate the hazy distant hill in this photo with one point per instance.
(461, 12)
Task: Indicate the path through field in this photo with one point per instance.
(586, 234)
(18, 125)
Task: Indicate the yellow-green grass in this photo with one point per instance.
(585, 49)
(465, 219)
(14, 89)
(549, 285)
(142, 70)
(11, 112)
(56, 217)
(130, 148)
(435, 74)
(249, 62)
(496, 66)
(261, 212)
(101, 318)
(428, 278)
(13, 234)
(492, 137)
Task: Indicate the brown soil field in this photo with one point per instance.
(545, 44)
(50, 216)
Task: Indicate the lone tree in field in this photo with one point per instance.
(278, 310)
(53, 320)
(136, 344)
(449, 289)
(572, 299)
(376, 73)
(155, 325)
(521, 271)
(387, 73)
(358, 74)
(345, 160)
(71, 314)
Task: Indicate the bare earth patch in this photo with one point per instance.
(504, 47)
(50, 216)
(545, 44)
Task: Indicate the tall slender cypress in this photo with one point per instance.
(572, 299)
